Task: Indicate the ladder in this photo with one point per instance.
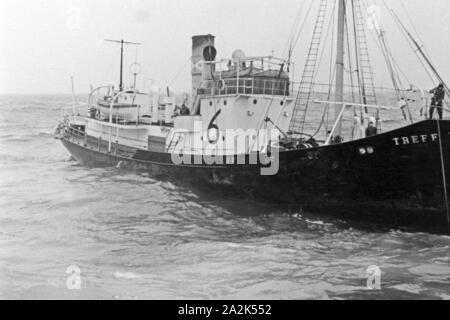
(174, 142)
(365, 72)
(306, 86)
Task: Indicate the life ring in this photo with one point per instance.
(213, 127)
(221, 84)
(213, 139)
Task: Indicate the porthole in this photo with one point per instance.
(255, 101)
(225, 102)
(282, 103)
(210, 103)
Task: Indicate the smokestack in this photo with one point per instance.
(202, 50)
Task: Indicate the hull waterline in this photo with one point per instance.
(393, 179)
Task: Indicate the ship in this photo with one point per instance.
(245, 129)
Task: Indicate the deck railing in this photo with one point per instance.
(253, 86)
(284, 87)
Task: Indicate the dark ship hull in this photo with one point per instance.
(392, 179)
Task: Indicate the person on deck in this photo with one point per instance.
(184, 111)
(402, 104)
(437, 101)
(371, 129)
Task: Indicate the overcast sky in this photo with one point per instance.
(44, 42)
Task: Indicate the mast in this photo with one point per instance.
(122, 42)
(420, 49)
(428, 61)
(339, 93)
(121, 66)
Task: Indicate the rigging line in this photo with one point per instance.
(179, 72)
(403, 32)
(332, 69)
(295, 26)
(367, 86)
(397, 80)
(327, 108)
(391, 70)
(397, 67)
(413, 25)
(356, 58)
(389, 62)
(302, 27)
(424, 56)
(332, 72)
(293, 32)
(408, 40)
(318, 31)
(319, 62)
(380, 44)
(367, 83)
(327, 123)
(419, 49)
(430, 76)
(347, 31)
(263, 122)
(398, 70)
(325, 113)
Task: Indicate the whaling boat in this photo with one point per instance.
(249, 127)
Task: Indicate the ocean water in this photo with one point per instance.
(132, 237)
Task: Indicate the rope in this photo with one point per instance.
(302, 27)
(356, 58)
(366, 84)
(318, 63)
(392, 66)
(419, 49)
(332, 73)
(405, 35)
(347, 30)
(294, 28)
(413, 25)
(395, 65)
(179, 72)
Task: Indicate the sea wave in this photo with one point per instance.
(135, 237)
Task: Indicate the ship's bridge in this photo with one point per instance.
(241, 94)
(265, 75)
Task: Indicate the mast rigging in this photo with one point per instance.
(122, 43)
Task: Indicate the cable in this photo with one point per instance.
(403, 31)
(412, 24)
(319, 62)
(179, 72)
(294, 28)
(302, 27)
(332, 74)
